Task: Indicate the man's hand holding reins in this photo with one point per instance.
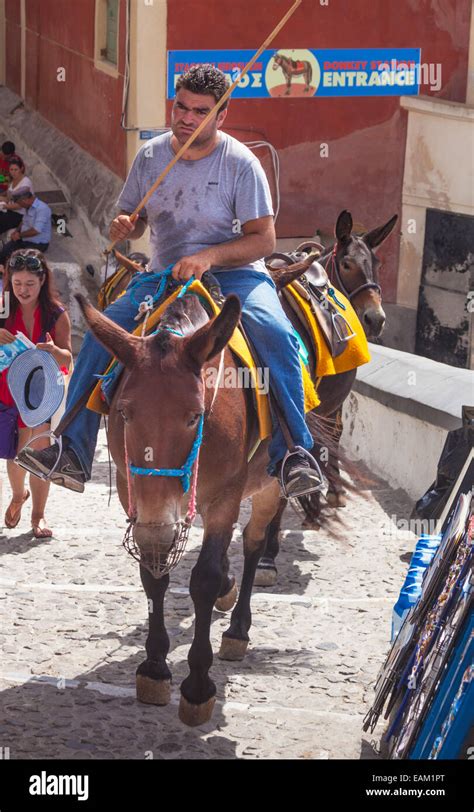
(194, 265)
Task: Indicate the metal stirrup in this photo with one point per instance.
(314, 466)
(39, 474)
(335, 317)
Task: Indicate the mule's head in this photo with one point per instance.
(158, 405)
(358, 265)
(277, 61)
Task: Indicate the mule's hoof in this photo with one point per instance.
(336, 499)
(311, 524)
(226, 602)
(194, 715)
(153, 691)
(265, 576)
(232, 649)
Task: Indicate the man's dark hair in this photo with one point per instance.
(8, 148)
(27, 195)
(204, 79)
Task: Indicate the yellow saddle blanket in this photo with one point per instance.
(239, 347)
(356, 352)
(106, 292)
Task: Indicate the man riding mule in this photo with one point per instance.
(212, 212)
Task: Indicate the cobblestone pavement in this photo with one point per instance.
(73, 626)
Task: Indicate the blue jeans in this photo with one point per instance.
(268, 329)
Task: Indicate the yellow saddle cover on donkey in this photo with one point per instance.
(239, 347)
(356, 352)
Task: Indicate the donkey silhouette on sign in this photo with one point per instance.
(291, 68)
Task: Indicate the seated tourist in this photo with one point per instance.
(35, 228)
(11, 213)
(7, 153)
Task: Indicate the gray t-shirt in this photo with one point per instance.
(200, 203)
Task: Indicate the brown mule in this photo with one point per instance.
(352, 266)
(156, 411)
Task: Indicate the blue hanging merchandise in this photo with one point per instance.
(411, 590)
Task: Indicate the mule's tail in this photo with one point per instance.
(326, 434)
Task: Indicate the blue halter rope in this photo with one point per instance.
(161, 277)
(184, 472)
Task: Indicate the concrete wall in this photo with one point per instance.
(397, 418)
(401, 449)
(438, 173)
(146, 108)
(438, 132)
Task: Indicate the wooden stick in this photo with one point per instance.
(210, 115)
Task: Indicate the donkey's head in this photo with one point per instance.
(353, 266)
(159, 404)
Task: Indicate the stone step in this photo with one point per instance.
(56, 200)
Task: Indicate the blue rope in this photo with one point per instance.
(185, 287)
(105, 377)
(168, 330)
(185, 472)
(161, 276)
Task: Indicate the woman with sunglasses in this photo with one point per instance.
(36, 312)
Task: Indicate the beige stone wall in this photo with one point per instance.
(439, 173)
(147, 92)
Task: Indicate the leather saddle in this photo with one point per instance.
(315, 287)
(315, 274)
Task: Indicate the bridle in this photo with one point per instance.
(334, 275)
(188, 474)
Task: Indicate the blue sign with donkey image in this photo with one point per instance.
(306, 73)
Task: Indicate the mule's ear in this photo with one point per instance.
(209, 340)
(114, 338)
(378, 235)
(344, 226)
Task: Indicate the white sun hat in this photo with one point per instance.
(37, 386)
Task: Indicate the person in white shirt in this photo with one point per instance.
(11, 213)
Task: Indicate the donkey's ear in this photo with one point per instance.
(344, 226)
(209, 340)
(114, 338)
(378, 235)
